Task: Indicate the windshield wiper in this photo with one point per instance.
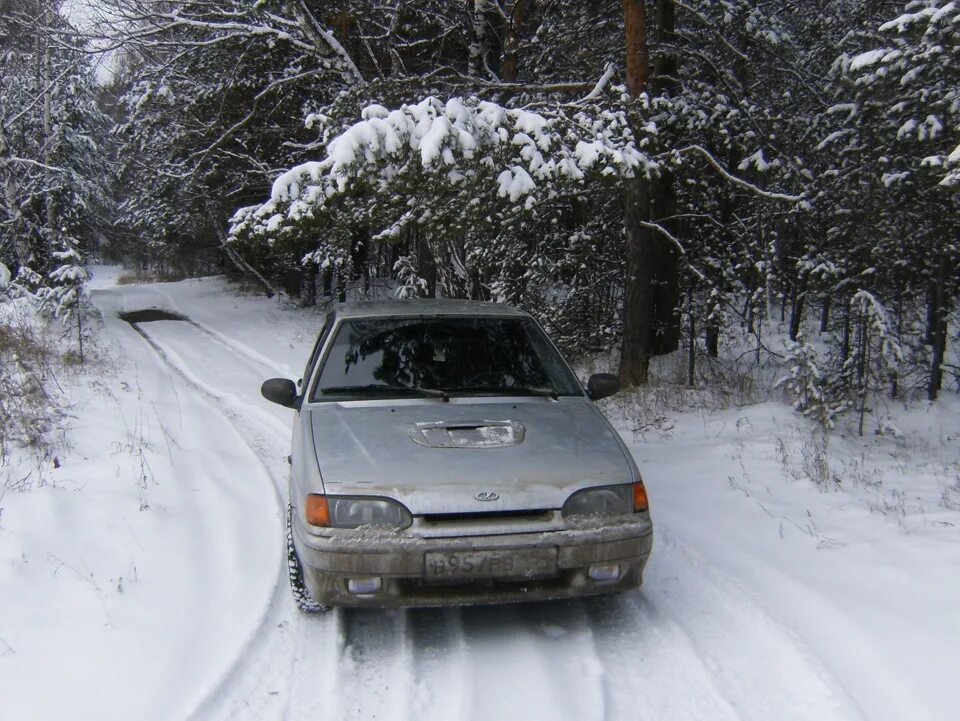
(506, 390)
(381, 387)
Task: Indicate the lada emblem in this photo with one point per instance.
(486, 495)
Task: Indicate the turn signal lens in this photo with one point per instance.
(317, 512)
(639, 497)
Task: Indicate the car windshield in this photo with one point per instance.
(442, 356)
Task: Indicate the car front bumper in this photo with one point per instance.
(400, 563)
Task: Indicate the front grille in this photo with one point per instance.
(479, 588)
(524, 515)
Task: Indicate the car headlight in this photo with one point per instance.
(354, 512)
(607, 501)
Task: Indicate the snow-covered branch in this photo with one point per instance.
(322, 37)
(740, 182)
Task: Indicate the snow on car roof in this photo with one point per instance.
(423, 306)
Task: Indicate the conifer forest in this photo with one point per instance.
(645, 177)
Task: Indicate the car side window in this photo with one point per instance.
(315, 353)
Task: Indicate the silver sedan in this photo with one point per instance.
(445, 453)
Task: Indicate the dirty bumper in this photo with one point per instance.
(396, 570)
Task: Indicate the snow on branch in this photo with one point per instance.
(320, 37)
(36, 163)
(600, 86)
(521, 152)
(746, 185)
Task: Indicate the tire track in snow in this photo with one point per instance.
(651, 670)
(254, 669)
(279, 606)
(216, 560)
(532, 656)
(313, 659)
(762, 668)
(382, 667)
(507, 656)
(691, 647)
(313, 679)
(377, 657)
(375, 665)
(441, 665)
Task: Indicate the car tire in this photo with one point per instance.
(301, 596)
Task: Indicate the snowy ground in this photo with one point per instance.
(146, 579)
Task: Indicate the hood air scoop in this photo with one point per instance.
(467, 434)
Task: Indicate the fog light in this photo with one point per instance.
(604, 572)
(364, 585)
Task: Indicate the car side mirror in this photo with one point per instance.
(601, 385)
(280, 390)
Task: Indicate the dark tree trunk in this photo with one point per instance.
(665, 65)
(898, 302)
(426, 263)
(938, 331)
(327, 283)
(510, 70)
(663, 205)
(692, 350)
(796, 308)
(638, 289)
(931, 312)
(863, 348)
(666, 274)
(310, 280)
(825, 314)
(712, 339)
(638, 59)
(845, 335)
(360, 253)
(644, 260)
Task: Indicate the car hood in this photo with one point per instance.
(467, 455)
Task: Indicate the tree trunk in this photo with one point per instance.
(712, 339)
(638, 58)
(426, 263)
(825, 315)
(637, 341)
(478, 43)
(863, 346)
(663, 203)
(845, 335)
(938, 331)
(666, 270)
(14, 213)
(665, 65)
(509, 70)
(636, 346)
(49, 141)
(311, 283)
(328, 284)
(692, 356)
(796, 308)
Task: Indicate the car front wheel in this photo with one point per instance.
(301, 596)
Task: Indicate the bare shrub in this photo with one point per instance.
(810, 462)
(31, 406)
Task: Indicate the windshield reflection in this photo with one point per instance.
(466, 355)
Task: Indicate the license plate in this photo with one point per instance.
(502, 563)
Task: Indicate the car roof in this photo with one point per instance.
(424, 307)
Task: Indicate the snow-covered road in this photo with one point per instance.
(220, 637)
(678, 656)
